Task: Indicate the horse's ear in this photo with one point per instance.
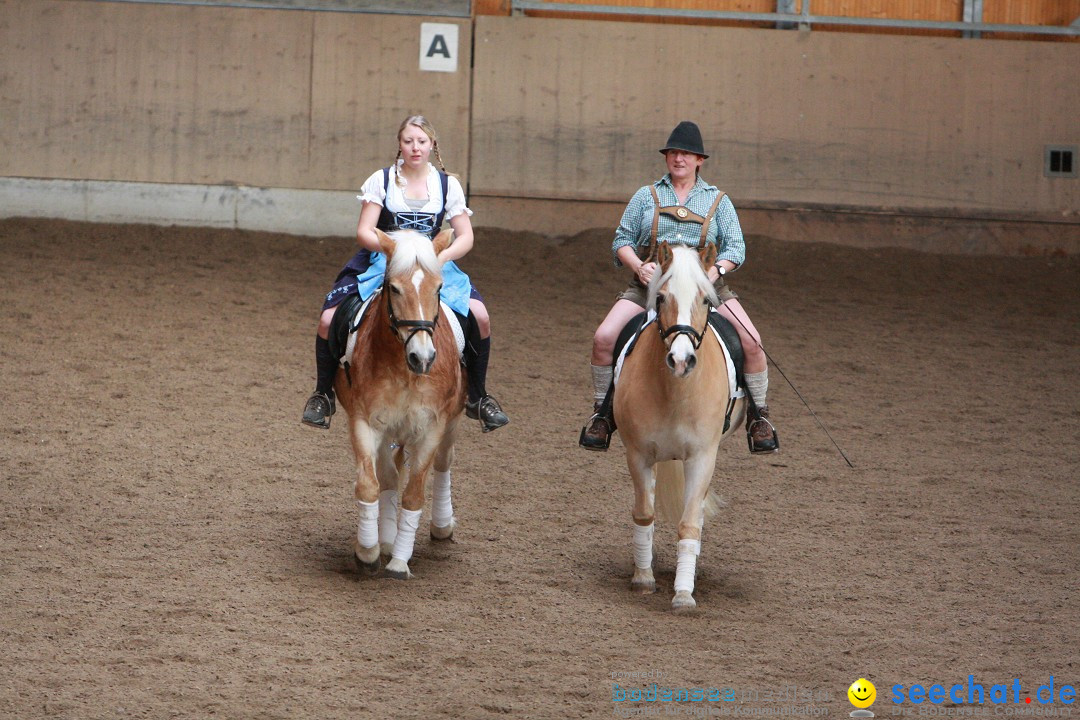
(708, 255)
(664, 254)
(442, 240)
(385, 242)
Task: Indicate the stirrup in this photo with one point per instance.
(593, 441)
(766, 446)
(488, 411)
(318, 410)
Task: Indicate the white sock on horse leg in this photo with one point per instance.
(442, 509)
(388, 512)
(758, 386)
(408, 521)
(601, 379)
(367, 532)
(686, 565)
(643, 542)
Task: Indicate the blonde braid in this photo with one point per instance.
(398, 180)
(438, 157)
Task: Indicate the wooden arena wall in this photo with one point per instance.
(575, 109)
(215, 95)
(543, 109)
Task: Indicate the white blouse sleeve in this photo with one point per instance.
(455, 199)
(372, 189)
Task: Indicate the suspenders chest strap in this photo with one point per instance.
(680, 213)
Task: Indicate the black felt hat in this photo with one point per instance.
(686, 136)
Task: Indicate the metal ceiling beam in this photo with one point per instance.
(804, 19)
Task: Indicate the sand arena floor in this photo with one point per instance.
(175, 544)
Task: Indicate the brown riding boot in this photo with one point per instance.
(596, 435)
(760, 433)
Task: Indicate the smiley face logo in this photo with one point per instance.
(862, 693)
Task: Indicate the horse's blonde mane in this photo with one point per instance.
(685, 263)
(412, 249)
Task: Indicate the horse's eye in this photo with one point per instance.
(395, 289)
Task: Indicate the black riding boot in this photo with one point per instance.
(320, 407)
(481, 406)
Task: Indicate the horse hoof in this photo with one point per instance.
(443, 534)
(683, 602)
(385, 551)
(643, 581)
(397, 570)
(369, 569)
(367, 559)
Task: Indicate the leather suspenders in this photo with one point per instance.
(679, 213)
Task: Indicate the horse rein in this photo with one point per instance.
(427, 326)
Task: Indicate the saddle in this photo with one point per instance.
(346, 320)
(725, 333)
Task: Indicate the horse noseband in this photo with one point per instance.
(689, 330)
(695, 336)
(427, 326)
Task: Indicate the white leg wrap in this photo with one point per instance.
(442, 510)
(388, 512)
(367, 533)
(408, 521)
(686, 565)
(643, 542)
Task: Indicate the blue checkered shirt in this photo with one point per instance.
(635, 228)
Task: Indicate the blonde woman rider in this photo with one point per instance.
(411, 194)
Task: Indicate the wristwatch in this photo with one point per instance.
(720, 269)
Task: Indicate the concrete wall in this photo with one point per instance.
(577, 109)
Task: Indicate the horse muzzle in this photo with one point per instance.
(681, 364)
(681, 357)
(419, 355)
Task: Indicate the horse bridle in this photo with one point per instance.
(689, 330)
(427, 326)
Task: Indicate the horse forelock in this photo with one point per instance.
(686, 277)
(412, 249)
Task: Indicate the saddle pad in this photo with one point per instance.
(354, 324)
(733, 390)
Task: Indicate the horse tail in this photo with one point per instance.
(670, 488)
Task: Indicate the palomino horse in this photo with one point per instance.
(404, 392)
(670, 405)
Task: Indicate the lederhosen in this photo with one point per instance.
(422, 222)
(679, 213)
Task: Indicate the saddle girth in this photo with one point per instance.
(679, 213)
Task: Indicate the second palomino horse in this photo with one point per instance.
(670, 406)
(404, 392)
